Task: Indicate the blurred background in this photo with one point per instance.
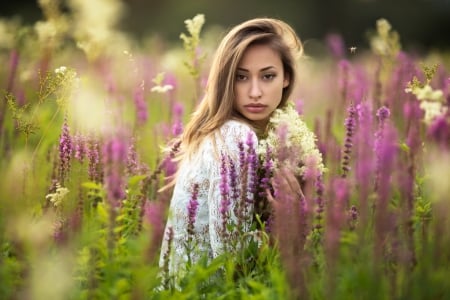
(423, 25)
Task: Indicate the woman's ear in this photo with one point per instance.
(286, 81)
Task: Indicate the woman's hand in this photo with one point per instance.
(285, 184)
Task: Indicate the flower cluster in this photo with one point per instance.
(58, 196)
(298, 139)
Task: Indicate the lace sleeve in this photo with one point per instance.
(232, 184)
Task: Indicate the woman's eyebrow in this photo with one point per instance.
(262, 70)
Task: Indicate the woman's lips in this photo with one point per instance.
(255, 108)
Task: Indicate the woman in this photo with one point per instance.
(252, 74)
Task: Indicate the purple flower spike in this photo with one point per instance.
(252, 162)
(141, 106)
(93, 154)
(224, 191)
(267, 172)
(192, 209)
(65, 151)
(439, 131)
(350, 123)
(115, 158)
(336, 45)
(383, 113)
(79, 147)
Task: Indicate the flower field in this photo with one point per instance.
(87, 120)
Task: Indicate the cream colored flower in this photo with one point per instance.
(194, 26)
(58, 196)
(432, 109)
(299, 140)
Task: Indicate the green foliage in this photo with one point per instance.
(20, 116)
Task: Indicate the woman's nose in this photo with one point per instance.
(255, 89)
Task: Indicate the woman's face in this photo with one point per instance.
(259, 84)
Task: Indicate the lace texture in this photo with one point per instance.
(204, 170)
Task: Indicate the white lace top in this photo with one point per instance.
(204, 170)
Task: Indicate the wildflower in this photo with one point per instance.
(192, 209)
(432, 110)
(252, 166)
(177, 125)
(439, 130)
(286, 127)
(233, 176)
(132, 160)
(383, 113)
(224, 192)
(267, 166)
(165, 258)
(336, 45)
(79, 147)
(386, 42)
(153, 214)
(353, 217)
(93, 154)
(114, 158)
(141, 105)
(65, 151)
(431, 101)
(159, 86)
(162, 89)
(58, 196)
(195, 25)
(61, 70)
(319, 201)
(350, 124)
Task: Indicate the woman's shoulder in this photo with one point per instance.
(236, 128)
(235, 131)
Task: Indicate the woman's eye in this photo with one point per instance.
(269, 76)
(240, 77)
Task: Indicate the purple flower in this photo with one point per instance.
(387, 153)
(169, 166)
(132, 160)
(93, 154)
(114, 160)
(242, 161)
(299, 104)
(80, 148)
(383, 113)
(192, 209)
(166, 257)
(336, 45)
(350, 123)
(233, 182)
(439, 130)
(177, 124)
(282, 153)
(141, 105)
(344, 68)
(267, 166)
(154, 216)
(252, 163)
(353, 217)
(224, 191)
(65, 151)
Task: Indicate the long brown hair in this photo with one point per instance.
(217, 105)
